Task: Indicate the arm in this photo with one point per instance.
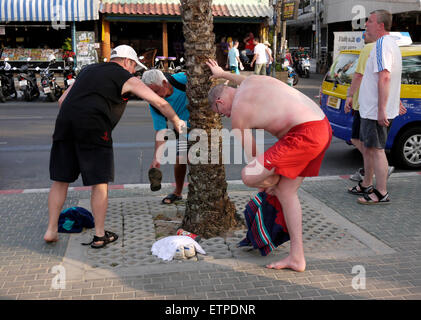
(218, 73)
(384, 88)
(356, 82)
(245, 135)
(402, 109)
(64, 95)
(254, 59)
(158, 152)
(239, 61)
(269, 55)
(137, 87)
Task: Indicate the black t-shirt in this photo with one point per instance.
(94, 105)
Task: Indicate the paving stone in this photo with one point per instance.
(332, 251)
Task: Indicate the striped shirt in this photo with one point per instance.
(385, 55)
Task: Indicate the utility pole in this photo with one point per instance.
(318, 33)
(277, 13)
(284, 33)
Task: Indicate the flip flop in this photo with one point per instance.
(172, 197)
(155, 178)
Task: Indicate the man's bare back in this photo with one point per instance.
(266, 103)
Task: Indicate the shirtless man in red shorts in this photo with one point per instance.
(304, 134)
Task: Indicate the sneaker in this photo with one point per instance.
(179, 253)
(358, 175)
(189, 251)
(390, 171)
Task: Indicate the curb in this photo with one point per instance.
(231, 182)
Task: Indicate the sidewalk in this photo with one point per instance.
(342, 239)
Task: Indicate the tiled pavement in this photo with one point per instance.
(383, 241)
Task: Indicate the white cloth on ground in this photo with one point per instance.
(165, 248)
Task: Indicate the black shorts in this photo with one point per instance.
(68, 159)
(372, 134)
(356, 125)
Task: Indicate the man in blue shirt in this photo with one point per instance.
(172, 89)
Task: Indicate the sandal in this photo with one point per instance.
(109, 237)
(381, 199)
(155, 178)
(363, 190)
(172, 198)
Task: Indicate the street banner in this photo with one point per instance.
(354, 40)
(85, 49)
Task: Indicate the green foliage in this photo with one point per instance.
(67, 45)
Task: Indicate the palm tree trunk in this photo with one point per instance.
(209, 211)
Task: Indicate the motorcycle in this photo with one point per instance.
(181, 67)
(28, 82)
(7, 83)
(69, 73)
(304, 67)
(48, 82)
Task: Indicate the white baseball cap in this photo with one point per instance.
(125, 51)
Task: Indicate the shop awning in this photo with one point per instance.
(220, 8)
(49, 10)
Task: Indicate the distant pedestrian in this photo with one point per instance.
(233, 60)
(249, 47)
(259, 57)
(269, 58)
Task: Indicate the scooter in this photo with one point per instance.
(292, 75)
(7, 83)
(304, 67)
(28, 82)
(69, 73)
(48, 82)
(181, 67)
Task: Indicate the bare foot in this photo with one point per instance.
(288, 263)
(50, 236)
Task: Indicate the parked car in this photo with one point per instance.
(404, 139)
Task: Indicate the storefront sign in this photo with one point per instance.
(290, 10)
(2, 30)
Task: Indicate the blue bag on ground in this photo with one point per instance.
(74, 219)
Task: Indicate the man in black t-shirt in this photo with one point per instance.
(82, 141)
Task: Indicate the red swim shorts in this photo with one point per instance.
(300, 152)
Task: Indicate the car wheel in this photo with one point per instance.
(407, 152)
